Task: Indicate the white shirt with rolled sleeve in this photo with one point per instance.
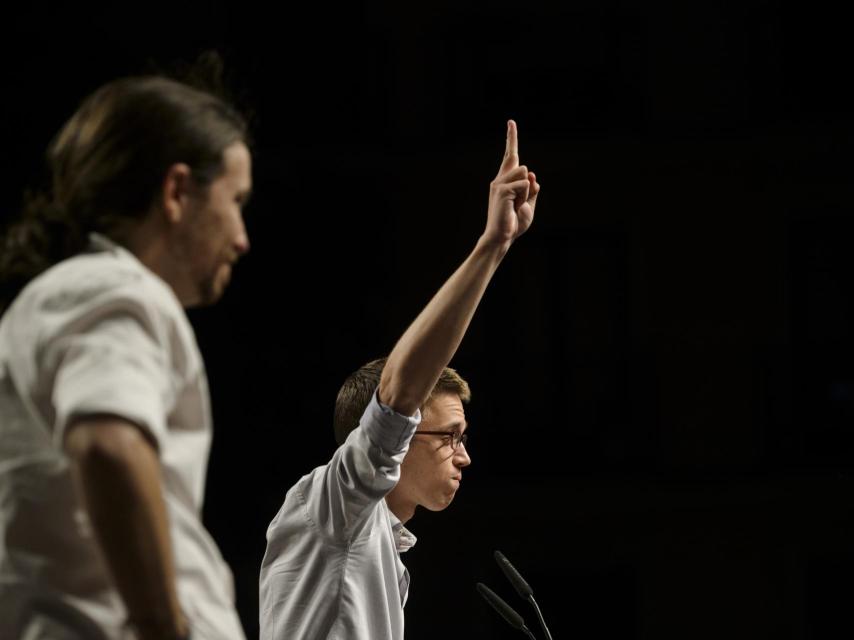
(99, 334)
(332, 569)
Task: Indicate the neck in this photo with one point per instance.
(401, 508)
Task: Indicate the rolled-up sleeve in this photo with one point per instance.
(361, 473)
(114, 363)
(387, 429)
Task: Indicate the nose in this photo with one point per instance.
(241, 241)
(461, 456)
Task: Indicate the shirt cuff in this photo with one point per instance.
(387, 429)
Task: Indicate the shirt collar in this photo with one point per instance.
(100, 242)
(404, 540)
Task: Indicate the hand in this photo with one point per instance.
(512, 196)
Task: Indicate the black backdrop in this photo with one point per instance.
(663, 368)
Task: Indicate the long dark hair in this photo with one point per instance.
(106, 164)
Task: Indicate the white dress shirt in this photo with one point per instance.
(332, 569)
(99, 333)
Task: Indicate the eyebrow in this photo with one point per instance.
(454, 427)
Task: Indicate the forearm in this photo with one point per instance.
(418, 358)
(117, 473)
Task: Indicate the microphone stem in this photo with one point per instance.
(540, 617)
(528, 633)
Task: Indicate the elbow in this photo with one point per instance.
(397, 395)
(105, 444)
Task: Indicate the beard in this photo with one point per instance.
(213, 284)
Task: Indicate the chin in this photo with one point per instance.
(437, 507)
(208, 298)
(211, 291)
(442, 504)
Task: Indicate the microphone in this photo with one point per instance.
(505, 610)
(522, 588)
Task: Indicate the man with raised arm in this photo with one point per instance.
(332, 567)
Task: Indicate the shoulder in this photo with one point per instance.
(91, 286)
(93, 291)
(94, 279)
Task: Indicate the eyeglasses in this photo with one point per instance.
(454, 438)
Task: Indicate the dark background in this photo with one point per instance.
(662, 424)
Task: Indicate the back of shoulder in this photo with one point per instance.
(86, 289)
(92, 280)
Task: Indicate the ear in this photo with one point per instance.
(175, 192)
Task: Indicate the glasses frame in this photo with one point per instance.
(453, 436)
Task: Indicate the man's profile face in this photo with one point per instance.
(214, 236)
(431, 471)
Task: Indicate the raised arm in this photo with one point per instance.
(430, 342)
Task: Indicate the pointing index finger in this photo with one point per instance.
(511, 152)
(512, 138)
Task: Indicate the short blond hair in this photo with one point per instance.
(355, 394)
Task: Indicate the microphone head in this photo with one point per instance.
(504, 609)
(518, 582)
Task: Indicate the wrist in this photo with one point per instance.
(493, 247)
(155, 629)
